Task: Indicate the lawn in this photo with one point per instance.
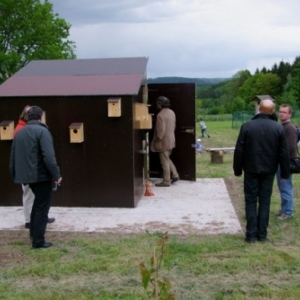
(100, 266)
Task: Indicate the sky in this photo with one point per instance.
(186, 38)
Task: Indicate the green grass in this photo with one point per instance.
(100, 266)
(222, 135)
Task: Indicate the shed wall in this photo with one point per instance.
(106, 170)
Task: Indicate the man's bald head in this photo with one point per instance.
(266, 106)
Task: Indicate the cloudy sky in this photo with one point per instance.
(186, 38)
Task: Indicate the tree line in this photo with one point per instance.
(281, 82)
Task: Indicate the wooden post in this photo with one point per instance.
(217, 157)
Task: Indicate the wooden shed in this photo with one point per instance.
(259, 98)
(94, 109)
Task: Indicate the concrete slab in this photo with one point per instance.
(201, 207)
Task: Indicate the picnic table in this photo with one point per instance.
(217, 154)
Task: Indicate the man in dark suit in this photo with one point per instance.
(260, 147)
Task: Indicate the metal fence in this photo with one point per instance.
(240, 117)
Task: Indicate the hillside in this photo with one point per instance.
(198, 81)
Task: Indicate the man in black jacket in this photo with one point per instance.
(33, 162)
(260, 147)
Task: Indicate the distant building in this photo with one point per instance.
(259, 98)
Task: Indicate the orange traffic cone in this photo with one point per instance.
(148, 191)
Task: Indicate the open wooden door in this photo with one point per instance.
(182, 97)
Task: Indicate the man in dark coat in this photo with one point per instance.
(28, 195)
(261, 146)
(33, 162)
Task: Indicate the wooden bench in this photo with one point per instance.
(217, 154)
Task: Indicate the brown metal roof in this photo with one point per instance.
(259, 98)
(112, 76)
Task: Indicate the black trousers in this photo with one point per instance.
(258, 192)
(40, 209)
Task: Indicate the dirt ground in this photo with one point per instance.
(8, 237)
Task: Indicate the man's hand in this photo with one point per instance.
(58, 181)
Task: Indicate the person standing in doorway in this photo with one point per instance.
(286, 187)
(33, 163)
(261, 146)
(203, 128)
(28, 196)
(163, 141)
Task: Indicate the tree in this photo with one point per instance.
(264, 70)
(238, 104)
(291, 89)
(260, 84)
(283, 71)
(237, 81)
(296, 81)
(29, 30)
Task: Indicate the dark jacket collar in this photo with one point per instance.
(36, 122)
(262, 116)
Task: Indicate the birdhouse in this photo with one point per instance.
(76, 133)
(7, 130)
(114, 107)
(142, 118)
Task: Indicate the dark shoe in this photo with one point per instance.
(51, 220)
(162, 184)
(284, 217)
(250, 241)
(27, 225)
(174, 179)
(45, 245)
(262, 240)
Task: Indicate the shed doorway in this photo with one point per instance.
(182, 97)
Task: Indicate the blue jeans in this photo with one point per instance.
(286, 194)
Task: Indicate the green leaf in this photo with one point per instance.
(29, 30)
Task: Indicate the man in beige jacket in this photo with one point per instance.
(164, 140)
